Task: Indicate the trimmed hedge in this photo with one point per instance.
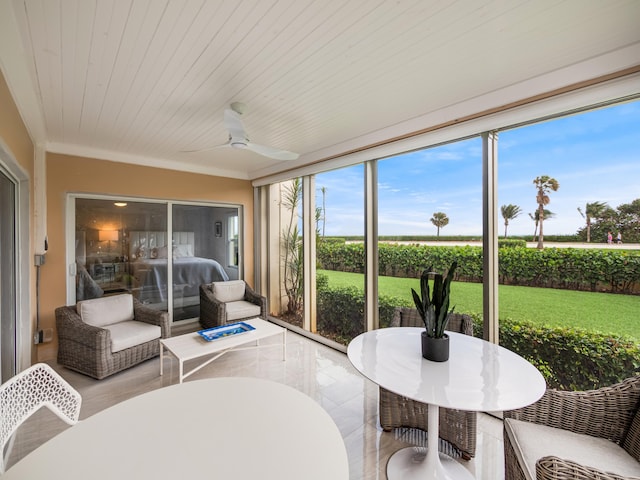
(569, 359)
(340, 312)
(511, 243)
(567, 268)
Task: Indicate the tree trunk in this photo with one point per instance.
(540, 234)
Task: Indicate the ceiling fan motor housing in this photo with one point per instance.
(235, 143)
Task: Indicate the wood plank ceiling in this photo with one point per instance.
(143, 80)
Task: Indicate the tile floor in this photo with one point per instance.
(319, 371)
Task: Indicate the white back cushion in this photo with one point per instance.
(230, 291)
(104, 311)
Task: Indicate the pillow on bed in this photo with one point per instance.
(185, 250)
(158, 252)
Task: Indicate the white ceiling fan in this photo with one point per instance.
(238, 137)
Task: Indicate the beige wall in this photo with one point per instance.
(69, 174)
(12, 130)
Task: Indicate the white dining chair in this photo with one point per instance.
(25, 393)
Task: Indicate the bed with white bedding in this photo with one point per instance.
(149, 262)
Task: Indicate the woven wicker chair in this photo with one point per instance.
(609, 413)
(87, 349)
(457, 427)
(213, 312)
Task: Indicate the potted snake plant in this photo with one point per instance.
(433, 308)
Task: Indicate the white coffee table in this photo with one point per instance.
(479, 376)
(192, 346)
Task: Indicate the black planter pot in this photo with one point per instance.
(435, 349)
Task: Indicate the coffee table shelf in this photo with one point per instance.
(192, 346)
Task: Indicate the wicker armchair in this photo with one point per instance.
(87, 348)
(600, 427)
(457, 427)
(237, 301)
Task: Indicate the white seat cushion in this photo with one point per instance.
(532, 442)
(241, 309)
(230, 291)
(104, 311)
(132, 333)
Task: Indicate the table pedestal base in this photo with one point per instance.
(409, 464)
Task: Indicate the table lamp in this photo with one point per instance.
(108, 236)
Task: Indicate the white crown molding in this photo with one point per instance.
(100, 154)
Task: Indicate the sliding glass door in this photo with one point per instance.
(200, 251)
(159, 251)
(7, 276)
(114, 243)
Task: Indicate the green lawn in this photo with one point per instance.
(602, 312)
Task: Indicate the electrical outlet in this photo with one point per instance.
(43, 336)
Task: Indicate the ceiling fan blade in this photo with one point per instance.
(239, 139)
(233, 124)
(271, 152)
(206, 149)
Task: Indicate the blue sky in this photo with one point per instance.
(595, 156)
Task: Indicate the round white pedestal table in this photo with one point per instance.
(479, 376)
(240, 428)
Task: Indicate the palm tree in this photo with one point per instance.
(536, 218)
(292, 247)
(509, 212)
(544, 184)
(591, 211)
(440, 220)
